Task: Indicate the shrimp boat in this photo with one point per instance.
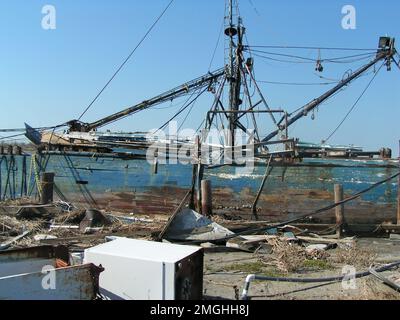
(134, 171)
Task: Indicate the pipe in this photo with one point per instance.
(386, 281)
(253, 277)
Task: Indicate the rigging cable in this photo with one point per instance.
(299, 83)
(355, 104)
(187, 115)
(254, 8)
(23, 134)
(311, 48)
(12, 136)
(216, 46)
(39, 128)
(354, 58)
(126, 60)
(397, 63)
(335, 94)
(182, 109)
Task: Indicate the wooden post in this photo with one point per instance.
(193, 190)
(47, 184)
(200, 173)
(155, 165)
(17, 150)
(339, 210)
(206, 200)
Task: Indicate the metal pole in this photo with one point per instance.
(232, 80)
(339, 210)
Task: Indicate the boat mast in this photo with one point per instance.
(235, 32)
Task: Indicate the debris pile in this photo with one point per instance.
(25, 225)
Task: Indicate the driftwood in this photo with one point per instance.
(8, 243)
(244, 241)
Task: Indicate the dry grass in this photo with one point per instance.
(73, 217)
(372, 289)
(286, 256)
(12, 224)
(290, 257)
(354, 256)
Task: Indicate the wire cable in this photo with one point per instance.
(182, 109)
(311, 48)
(354, 105)
(344, 59)
(299, 83)
(127, 59)
(216, 46)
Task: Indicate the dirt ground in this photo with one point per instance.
(225, 269)
(225, 274)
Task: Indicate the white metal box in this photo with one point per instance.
(146, 270)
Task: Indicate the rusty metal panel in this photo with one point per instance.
(28, 260)
(60, 252)
(71, 283)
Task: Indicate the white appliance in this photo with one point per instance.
(146, 270)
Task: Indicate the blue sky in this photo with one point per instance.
(49, 77)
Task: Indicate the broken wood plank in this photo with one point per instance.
(326, 240)
(250, 239)
(54, 226)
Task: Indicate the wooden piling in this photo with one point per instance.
(206, 200)
(193, 189)
(47, 187)
(200, 174)
(199, 171)
(155, 165)
(339, 210)
(17, 150)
